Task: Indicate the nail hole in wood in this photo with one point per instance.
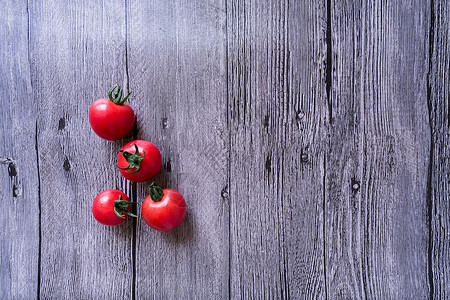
(304, 157)
(355, 185)
(61, 123)
(224, 192)
(16, 191)
(12, 171)
(266, 121)
(268, 163)
(66, 164)
(164, 123)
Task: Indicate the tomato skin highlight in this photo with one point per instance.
(166, 214)
(149, 166)
(103, 207)
(109, 120)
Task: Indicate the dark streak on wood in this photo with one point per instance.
(36, 145)
(168, 166)
(133, 184)
(329, 65)
(439, 164)
(134, 198)
(324, 228)
(225, 191)
(430, 166)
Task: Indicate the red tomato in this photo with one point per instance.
(139, 160)
(111, 207)
(112, 119)
(163, 210)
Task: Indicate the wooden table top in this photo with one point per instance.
(310, 140)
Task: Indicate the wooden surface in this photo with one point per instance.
(309, 138)
(377, 162)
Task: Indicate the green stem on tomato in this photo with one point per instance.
(121, 207)
(155, 192)
(116, 95)
(133, 159)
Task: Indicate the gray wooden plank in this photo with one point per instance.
(19, 200)
(439, 104)
(177, 71)
(77, 53)
(276, 78)
(376, 165)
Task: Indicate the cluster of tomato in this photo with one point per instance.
(138, 161)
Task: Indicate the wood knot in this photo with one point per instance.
(300, 115)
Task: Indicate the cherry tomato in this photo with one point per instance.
(163, 210)
(139, 160)
(111, 207)
(112, 119)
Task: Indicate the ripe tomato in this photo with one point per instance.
(163, 210)
(112, 119)
(111, 207)
(139, 160)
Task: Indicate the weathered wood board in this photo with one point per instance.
(276, 97)
(310, 140)
(177, 50)
(377, 156)
(19, 184)
(76, 56)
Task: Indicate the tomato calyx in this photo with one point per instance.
(155, 192)
(121, 208)
(133, 159)
(115, 95)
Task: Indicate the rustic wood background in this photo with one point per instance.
(309, 138)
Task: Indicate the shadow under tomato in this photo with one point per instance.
(182, 234)
(125, 229)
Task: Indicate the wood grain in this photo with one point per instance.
(376, 165)
(439, 192)
(276, 67)
(177, 71)
(78, 52)
(19, 201)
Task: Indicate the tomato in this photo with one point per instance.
(163, 210)
(111, 207)
(112, 119)
(139, 160)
